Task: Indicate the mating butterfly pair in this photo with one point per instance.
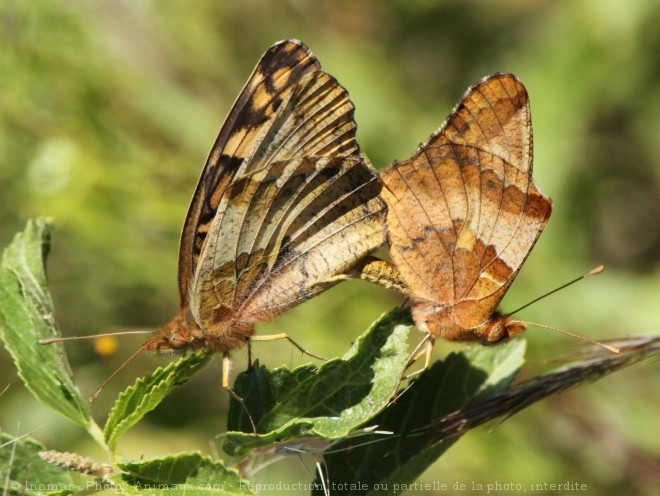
(288, 206)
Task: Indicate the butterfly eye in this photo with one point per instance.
(176, 341)
(497, 332)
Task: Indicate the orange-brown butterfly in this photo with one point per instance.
(286, 205)
(464, 213)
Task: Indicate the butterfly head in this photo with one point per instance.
(177, 336)
(499, 328)
(182, 333)
(449, 322)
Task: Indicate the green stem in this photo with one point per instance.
(97, 434)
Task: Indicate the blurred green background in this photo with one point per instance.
(107, 112)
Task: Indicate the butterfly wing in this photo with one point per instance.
(464, 212)
(279, 69)
(302, 208)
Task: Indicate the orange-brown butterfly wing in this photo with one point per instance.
(278, 70)
(464, 212)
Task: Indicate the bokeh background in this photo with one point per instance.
(107, 112)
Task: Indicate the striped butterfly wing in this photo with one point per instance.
(302, 208)
(278, 70)
(464, 212)
(335, 222)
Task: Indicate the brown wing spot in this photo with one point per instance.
(225, 271)
(514, 200)
(537, 206)
(479, 250)
(498, 270)
(488, 254)
(222, 313)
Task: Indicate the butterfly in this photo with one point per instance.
(285, 206)
(464, 213)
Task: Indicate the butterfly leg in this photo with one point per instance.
(284, 335)
(424, 348)
(232, 393)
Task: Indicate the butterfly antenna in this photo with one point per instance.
(592, 272)
(319, 468)
(93, 397)
(11, 461)
(93, 336)
(608, 347)
(319, 464)
(22, 436)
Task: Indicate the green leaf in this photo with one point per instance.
(328, 402)
(449, 385)
(189, 473)
(27, 315)
(25, 472)
(147, 393)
